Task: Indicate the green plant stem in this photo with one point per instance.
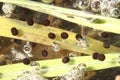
(75, 16)
(55, 67)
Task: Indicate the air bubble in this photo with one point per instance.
(95, 5)
(56, 47)
(115, 12)
(83, 4)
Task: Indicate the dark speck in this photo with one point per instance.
(51, 35)
(105, 34)
(64, 35)
(26, 61)
(46, 22)
(44, 53)
(14, 31)
(95, 55)
(30, 22)
(78, 36)
(101, 57)
(65, 59)
(106, 45)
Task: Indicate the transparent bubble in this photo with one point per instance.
(33, 74)
(35, 66)
(106, 2)
(83, 4)
(30, 75)
(13, 50)
(27, 47)
(76, 73)
(73, 54)
(82, 66)
(105, 11)
(56, 47)
(112, 3)
(17, 55)
(83, 43)
(95, 5)
(115, 12)
(8, 9)
(75, 5)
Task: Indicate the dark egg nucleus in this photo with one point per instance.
(46, 22)
(78, 36)
(95, 55)
(44, 53)
(51, 35)
(26, 61)
(106, 45)
(14, 31)
(30, 22)
(65, 59)
(64, 35)
(101, 57)
(105, 34)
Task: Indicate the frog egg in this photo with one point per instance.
(95, 5)
(84, 4)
